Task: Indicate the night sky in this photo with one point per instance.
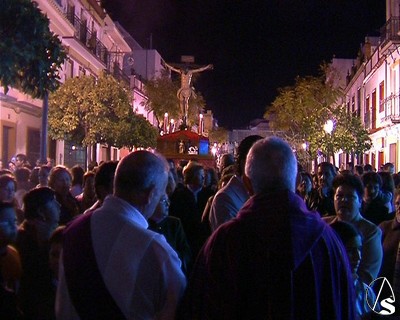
(255, 46)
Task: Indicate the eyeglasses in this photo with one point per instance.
(165, 201)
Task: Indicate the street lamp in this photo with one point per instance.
(165, 124)
(328, 128)
(214, 149)
(201, 124)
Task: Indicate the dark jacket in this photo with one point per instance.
(275, 260)
(171, 228)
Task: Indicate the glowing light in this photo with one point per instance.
(214, 149)
(328, 126)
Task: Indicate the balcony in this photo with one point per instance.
(390, 31)
(392, 108)
(89, 39)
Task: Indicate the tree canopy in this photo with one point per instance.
(87, 110)
(30, 54)
(300, 112)
(219, 135)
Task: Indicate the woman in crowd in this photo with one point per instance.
(172, 229)
(60, 182)
(348, 194)
(88, 197)
(8, 186)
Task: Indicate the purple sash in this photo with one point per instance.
(86, 287)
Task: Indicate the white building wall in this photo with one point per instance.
(377, 81)
(18, 112)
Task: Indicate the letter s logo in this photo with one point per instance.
(387, 304)
(384, 300)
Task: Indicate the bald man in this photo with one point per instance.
(112, 266)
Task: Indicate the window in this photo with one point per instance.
(358, 102)
(69, 69)
(373, 110)
(382, 96)
(367, 113)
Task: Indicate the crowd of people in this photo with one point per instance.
(150, 238)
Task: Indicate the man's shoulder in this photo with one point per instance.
(367, 227)
(234, 187)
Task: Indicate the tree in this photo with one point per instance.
(133, 131)
(300, 112)
(161, 94)
(87, 110)
(219, 135)
(162, 98)
(30, 54)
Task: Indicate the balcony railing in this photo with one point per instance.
(390, 31)
(119, 74)
(392, 108)
(89, 39)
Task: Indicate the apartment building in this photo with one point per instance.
(93, 43)
(371, 84)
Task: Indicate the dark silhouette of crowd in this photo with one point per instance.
(254, 237)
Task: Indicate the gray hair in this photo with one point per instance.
(271, 164)
(139, 171)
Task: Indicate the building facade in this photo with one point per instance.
(372, 89)
(94, 44)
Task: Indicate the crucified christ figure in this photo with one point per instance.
(186, 91)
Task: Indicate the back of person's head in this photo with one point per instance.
(77, 173)
(34, 177)
(345, 231)
(55, 172)
(242, 151)
(92, 165)
(359, 170)
(271, 164)
(351, 181)
(190, 172)
(22, 174)
(350, 166)
(371, 177)
(226, 160)
(388, 167)
(36, 199)
(368, 168)
(387, 181)
(44, 172)
(104, 179)
(5, 179)
(88, 175)
(138, 172)
(329, 166)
